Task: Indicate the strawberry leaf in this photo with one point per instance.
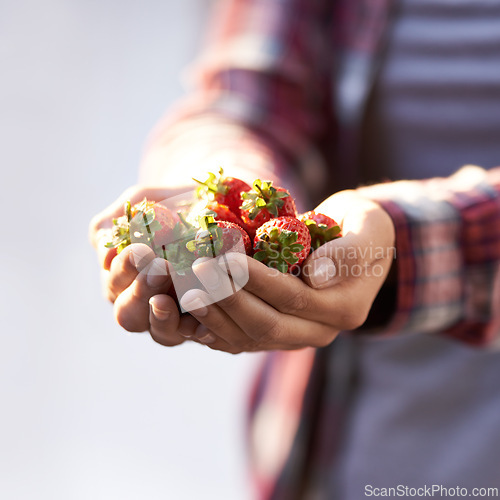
(260, 256)
(291, 259)
(272, 209)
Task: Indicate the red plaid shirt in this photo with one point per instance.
(266, 102)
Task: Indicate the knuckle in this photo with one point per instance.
(247, 346)
(272, 331)
(140, 292)
(230, 301)
(297, 302)
(127, 321)
(353, 318)
(234, 339)
(220, 325)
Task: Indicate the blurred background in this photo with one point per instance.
(88, 411)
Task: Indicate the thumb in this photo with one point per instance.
(336, 261)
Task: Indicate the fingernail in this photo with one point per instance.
(323, 270)
(194, 306)
(157, 274)
(207, 339)
(232, 264)
(207, 274)
(159, 314)
(204, 335)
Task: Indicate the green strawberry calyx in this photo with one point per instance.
(208, 241)
(263, 196)
(278, 249)
(175, 251)
(321, 233)
(212, 186)
(139, 222)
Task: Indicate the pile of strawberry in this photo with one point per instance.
(262, 219)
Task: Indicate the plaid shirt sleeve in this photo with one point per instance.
(261, 87)
(447, 254)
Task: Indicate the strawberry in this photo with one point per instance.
(321, 227)
(223, 212)
(174, 249)
(282, 243)
(148, 222)
(224, 190)
(217, 237)
(263, 203)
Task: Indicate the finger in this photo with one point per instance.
(168, 328)
(220, 329)
(242, 324)
(132, 309)
(335, 261)
(240, 318)
(341, 306)
(164, 321)
(283, 292)
(205, 336)
(365, 251)
(126, 267)
(368, 242)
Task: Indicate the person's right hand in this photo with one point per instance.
(100, 225)
(131, 278)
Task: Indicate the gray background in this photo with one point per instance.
(88, 412)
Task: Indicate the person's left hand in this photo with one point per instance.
(279, 311)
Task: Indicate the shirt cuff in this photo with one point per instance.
(447, 254)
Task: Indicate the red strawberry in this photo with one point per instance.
(166, 220)
(263, 203)
(218, 237)
(148, 222)
(282, 243)
(174, 247)
(321, 227)
(224, 190)
(223, 212)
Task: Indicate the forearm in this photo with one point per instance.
(177, 152)
(448, 253)
(254, 110)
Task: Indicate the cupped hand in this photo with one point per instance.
(266, 310)
(271, 310)
(131, 278)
